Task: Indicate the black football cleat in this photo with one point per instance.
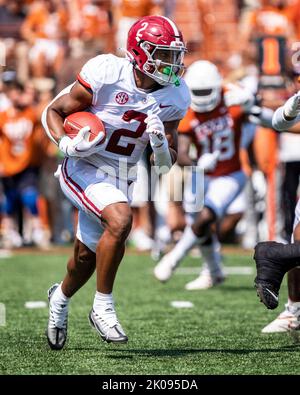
(273, 260)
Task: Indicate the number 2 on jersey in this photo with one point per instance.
(113, 144)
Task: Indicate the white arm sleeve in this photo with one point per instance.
(280, 123)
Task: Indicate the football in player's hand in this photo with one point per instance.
(74, 122)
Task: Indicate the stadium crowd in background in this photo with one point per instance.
(253, 44)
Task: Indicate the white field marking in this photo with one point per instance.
(2, 314)
(39, 304)
(181, 304)
(5, 254)
(238, 270)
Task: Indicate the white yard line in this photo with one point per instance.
(182, 304)
(237, 270)
(36, 304)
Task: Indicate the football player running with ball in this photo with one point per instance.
(139, 98)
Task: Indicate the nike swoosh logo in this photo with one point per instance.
(164, 106)
(79, 150)
(271, 293)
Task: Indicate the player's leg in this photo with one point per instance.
(212, 272)
(289, 317)
(168, 264)
(164, 269)
(97, 196)
(29, 194)
(80, 267)
(10, 234)
(292, 222)
(117, 220)
(234, 213)
(199, 233)
(273, 260)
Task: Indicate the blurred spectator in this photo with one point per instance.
(44, 28)
(267, 34)
(127, 12)
(18, 168)
(90, 27)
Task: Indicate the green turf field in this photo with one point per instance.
(219, 335)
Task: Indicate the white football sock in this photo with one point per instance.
(293, 306)
(212, 258)
(59, 299)
(102, 300)
(185, 244)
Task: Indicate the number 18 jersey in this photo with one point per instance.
(219, 129)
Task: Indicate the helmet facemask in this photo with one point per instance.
(164, 63)
(205, 100)
(205, 84)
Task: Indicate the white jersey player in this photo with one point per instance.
(139, 99)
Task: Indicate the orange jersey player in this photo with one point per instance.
(213, 124)
(218, 130)
(17, 129)
(19, 175)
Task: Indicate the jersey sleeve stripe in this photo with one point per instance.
(83, 82)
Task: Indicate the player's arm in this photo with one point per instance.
(78, 99)
(172, 137)
(286, 116)
(69, 102)
(184, 143)
(261, 116)
(163, 140)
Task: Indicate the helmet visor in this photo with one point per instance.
(169, 58)
(202, 92)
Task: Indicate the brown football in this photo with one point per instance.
(74, 122)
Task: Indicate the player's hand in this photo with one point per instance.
(238, 96)
(261, 116)
(208, 161)
(80, 145)
(291, 108)
(156, 130)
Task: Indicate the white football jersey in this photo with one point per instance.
(123, 107)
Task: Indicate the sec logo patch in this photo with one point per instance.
(122, 98)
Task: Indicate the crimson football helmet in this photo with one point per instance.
(156, 48)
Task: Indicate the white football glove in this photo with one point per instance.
(238, 96)
(291, 107)
(208, 161)
(156, 130)
(80, 145)
(261, 116)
